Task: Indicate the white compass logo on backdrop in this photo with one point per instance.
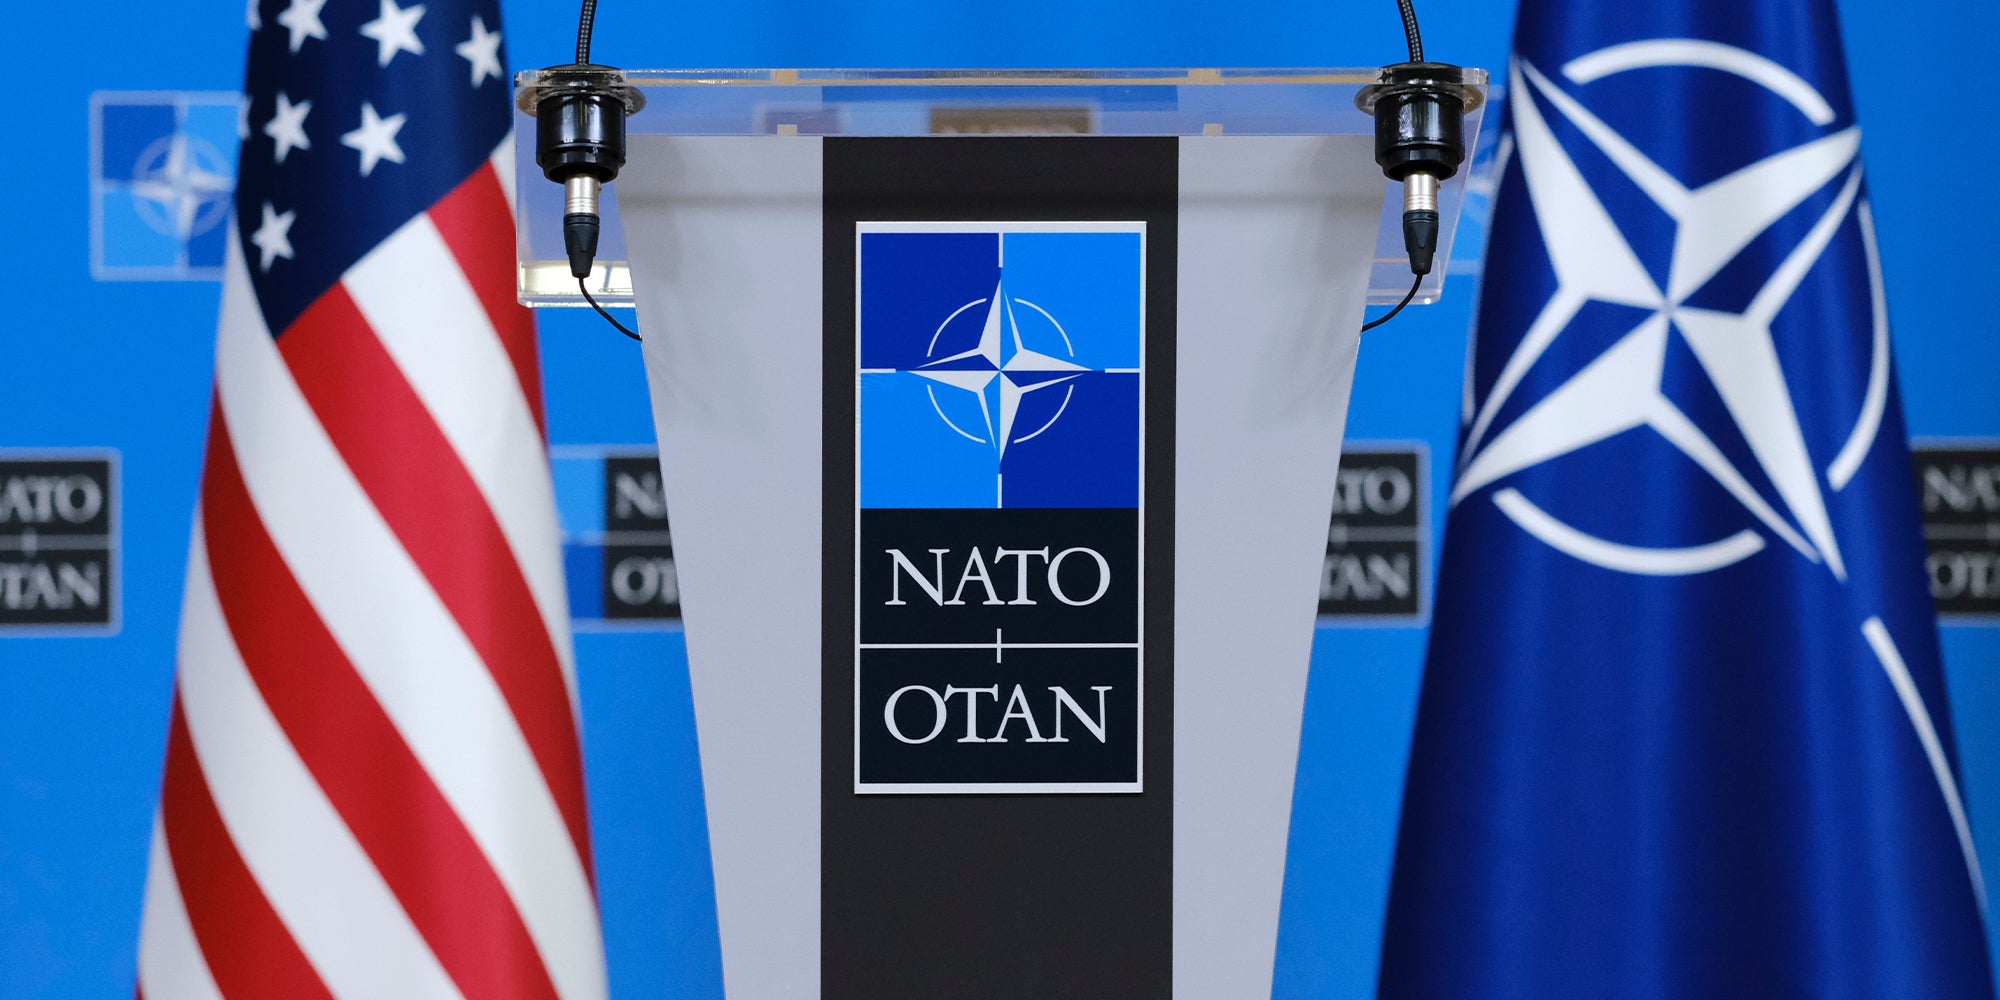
(1621, 389)
(182, 185)
(162, 183)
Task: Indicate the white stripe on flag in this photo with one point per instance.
(503, 165)
(403, 642)
(171, 966)
(308, 865)
(411, 290)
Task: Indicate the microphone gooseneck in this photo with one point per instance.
(580, 144)
(580, 110)
(1419, 109)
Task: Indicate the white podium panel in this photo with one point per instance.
(726, 232)
(1275, 258)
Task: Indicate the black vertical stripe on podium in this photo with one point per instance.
(996, 896)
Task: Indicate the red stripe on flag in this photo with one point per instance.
(354, 752)
(421, 487)
(249, 951)
(475, 224)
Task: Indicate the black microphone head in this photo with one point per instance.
(580, 113)
(1419, 111)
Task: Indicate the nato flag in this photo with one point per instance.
(1683, 731)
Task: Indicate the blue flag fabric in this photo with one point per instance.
(1683, 730)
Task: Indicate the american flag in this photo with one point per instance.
(373, 785)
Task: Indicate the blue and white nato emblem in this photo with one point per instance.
(162, 182)
(1704, 306)
(1702, 323)
(999, 486)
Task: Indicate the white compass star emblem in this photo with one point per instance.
(1621, 389)
(182, 185)
(1000, 370)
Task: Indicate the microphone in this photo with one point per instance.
(1419, 110)
(580, 112)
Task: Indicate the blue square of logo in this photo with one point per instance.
(912, 456)
(130, 241)
(1088, 457)
(1088, 283)
(583, 575)
(913, 285)
(124, 132)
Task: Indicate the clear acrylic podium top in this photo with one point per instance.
(1044, 102)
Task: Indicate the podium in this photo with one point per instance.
(999, 415)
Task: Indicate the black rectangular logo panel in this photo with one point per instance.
(1000, 393)
(997, 568)
(1960, 489)
(1024, 716)
(58, 543)
(999, 651)
(637, 567)
(1038, 576)
(1375, 544)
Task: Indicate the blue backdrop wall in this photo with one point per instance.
(125, 365)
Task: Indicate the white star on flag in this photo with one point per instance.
(375, 140)
(252, 17)
(302, 20)
(287, 126)
(395, 30)
(482, 50)
(273, 238)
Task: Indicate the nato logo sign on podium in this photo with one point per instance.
(998, 507)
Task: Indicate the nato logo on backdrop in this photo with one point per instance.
(1375, 567)
(999, 485)
(58, 542)
(1959, 482)
(618, 549)
(162, 180)
(637, 578)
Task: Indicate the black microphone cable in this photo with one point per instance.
(583, 287)
(1391, 314)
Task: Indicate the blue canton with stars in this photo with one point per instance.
(1000, 368)
(359, 114)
